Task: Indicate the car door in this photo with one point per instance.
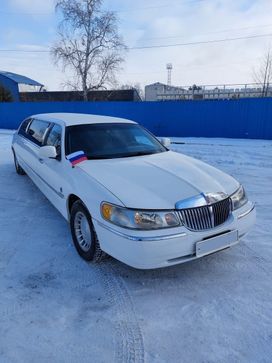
(53, 171)
(18, 143)
(28, 146)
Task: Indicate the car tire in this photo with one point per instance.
(18, 168)
(84, 235)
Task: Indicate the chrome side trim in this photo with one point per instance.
(139, 238)
(246, 212)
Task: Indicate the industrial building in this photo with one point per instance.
(163, 92)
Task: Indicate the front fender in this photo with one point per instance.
(90, 192)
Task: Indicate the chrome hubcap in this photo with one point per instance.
(82, 231)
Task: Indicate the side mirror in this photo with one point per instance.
(165, 141)
(48, 152)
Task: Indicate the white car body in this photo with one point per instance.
(151, 182)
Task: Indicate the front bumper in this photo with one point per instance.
(162, 248)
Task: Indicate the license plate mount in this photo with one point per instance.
(217, 243)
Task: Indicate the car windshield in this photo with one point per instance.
(111, 140)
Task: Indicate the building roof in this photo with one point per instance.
(156, 84)
(20, 79)
(70, 119)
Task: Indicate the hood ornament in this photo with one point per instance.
(201, 200)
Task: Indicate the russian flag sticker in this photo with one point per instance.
(77, 157)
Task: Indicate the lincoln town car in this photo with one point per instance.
(125, 194)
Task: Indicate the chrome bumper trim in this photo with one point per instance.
(246, 212)
(139, 238)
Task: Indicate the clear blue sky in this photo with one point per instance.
(31, 25)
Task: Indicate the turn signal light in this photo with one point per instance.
(106, 211)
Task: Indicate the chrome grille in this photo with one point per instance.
(206, 217)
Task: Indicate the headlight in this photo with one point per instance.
(137, 219)
(239, 198)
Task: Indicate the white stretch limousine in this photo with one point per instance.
(126, 194)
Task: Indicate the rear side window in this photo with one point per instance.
(36, 131)
(23, 127)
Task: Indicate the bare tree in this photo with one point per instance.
(88, 44)
(263, 75)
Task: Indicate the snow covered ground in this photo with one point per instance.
(54, 307)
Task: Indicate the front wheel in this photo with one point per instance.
(83, 233)
(18, 168)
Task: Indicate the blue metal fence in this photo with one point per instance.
(245, 118)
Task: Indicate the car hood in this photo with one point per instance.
(158, 181)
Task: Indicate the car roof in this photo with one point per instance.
(70, 119)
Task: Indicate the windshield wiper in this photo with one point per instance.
(99, 157)
(139, 153)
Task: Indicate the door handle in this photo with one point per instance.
(41, 161)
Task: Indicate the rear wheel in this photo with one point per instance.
(18, 168)
(83, 233)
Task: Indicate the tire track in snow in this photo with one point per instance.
(128, 336)
(128, 340)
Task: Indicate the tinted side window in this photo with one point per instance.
(37, 130)
(23, 127)
(54, 138)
